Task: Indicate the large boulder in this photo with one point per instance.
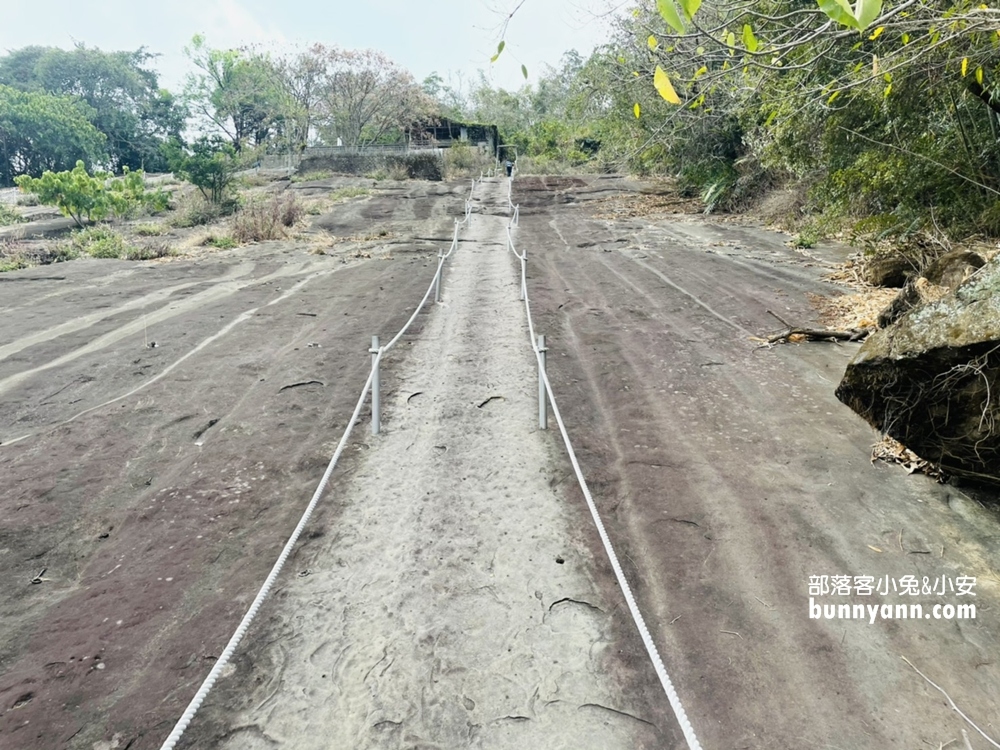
(932, 379)
(943, 275)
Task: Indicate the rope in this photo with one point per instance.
(640, 622)
(241, 630)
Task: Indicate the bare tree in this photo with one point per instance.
(365, 96)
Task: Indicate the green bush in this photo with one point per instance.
(82, 196)
(98, 242)
(151, 230)
(222, 242)
(9, 216)
(210, 164)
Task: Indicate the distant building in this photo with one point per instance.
(443, 132)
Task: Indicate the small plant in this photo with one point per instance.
(266, 219)
(9, 216)
(806, 238)
(222, 242)
(151, 230)
(27, 200)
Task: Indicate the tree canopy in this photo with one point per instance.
(39, 132)
(121, 92)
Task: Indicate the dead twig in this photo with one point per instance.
(952, 703)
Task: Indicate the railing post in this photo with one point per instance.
(437, 278)
(376, 401)
(543, 414)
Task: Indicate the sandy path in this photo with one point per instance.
(449, 607)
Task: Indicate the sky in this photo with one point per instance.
(454, 38)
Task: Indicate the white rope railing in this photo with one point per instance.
(640, 622)
(206, 686)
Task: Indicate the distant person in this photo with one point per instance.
(510, 167)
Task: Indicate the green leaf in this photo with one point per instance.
(888, 90)
(965, 66)
(652, 43)
(749, 40)
(839, 11)
(877, 33)
(524, 71)
(979, 76)
(499, 50)
(866, 11)
(700, 72)
(661, 81)
(690, 7)
(833, 97)
(731, 41)
(669, 12)
(637, 110)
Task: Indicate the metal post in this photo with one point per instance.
(376, 405)
(437, 279)
(543, 415)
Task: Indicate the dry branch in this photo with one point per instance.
(795, 334)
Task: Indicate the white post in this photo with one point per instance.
(376, 405)
(543, 416)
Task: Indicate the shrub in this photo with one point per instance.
(266, 219)
(221, 242)
(15, 254)
(151, 230)
(98, 242)
(27, 200)
(194, 211)
(79, 195)
(148, 251)
(210, 165)
(9, 216)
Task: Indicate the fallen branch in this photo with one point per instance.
(795, 334)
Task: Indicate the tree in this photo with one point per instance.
(122, 93)
(210, 165)
(302, 77)
(365, 97)
(239, 92)
(40, 132)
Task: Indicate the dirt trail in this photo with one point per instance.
(452, 606)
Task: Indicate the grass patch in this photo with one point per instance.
(267, 218)
(346, 193)
(98, 242)
(9, 216)
(151, 230)
(313, 176)
(17, 254)
(194, 211)
(220, 242)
